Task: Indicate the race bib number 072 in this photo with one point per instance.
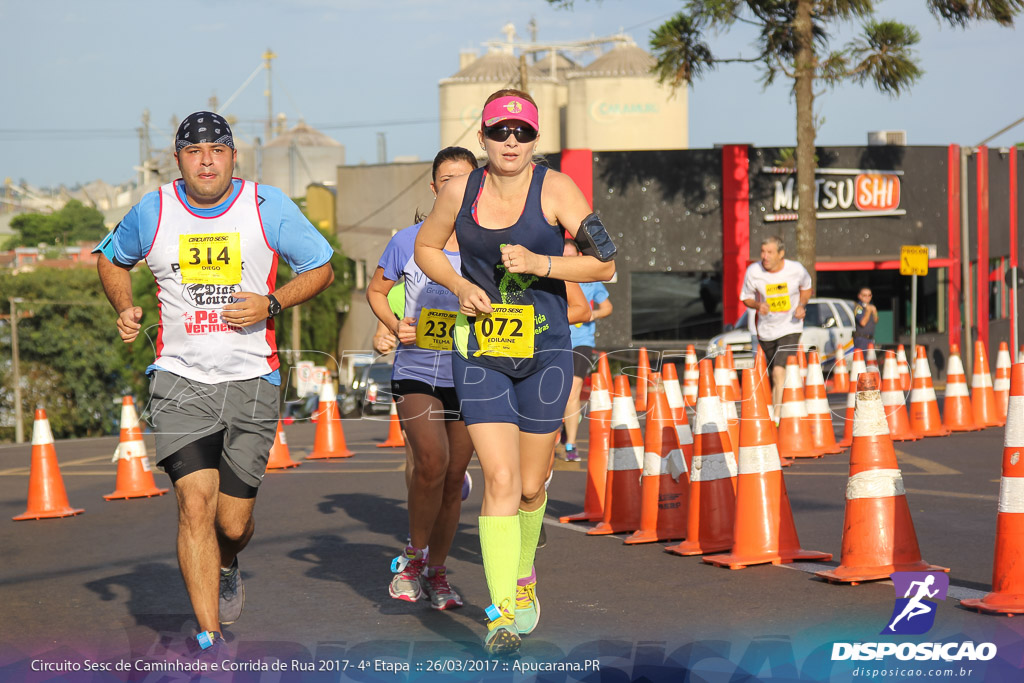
(506, 331)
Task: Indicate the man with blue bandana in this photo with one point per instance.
(213, 242)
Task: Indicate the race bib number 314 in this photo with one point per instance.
(506, 331)
(210, 259)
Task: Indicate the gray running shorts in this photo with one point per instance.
(183, 410)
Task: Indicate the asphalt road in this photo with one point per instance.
(104, 586)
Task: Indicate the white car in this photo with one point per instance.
(829, 324)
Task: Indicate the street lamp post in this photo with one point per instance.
(19, 429)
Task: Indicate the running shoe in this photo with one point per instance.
(207, 645)
(406, 583)
(527, 605)
(467, 486)
(571, 454)
(502, 637)
(232, 594)
(441, 594)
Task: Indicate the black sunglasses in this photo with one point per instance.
(501, 133)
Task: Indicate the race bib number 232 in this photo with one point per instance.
(210, 259)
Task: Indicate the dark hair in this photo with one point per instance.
(452, 154)
(510, 92)
(447, 154)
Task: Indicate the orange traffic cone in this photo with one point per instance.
(329, 442)
(728, 399)
(801, 359)
(690, 377)
(664, 486)
(643, 373)
(871, 359)
(983, 398)
(819, 414)
(794, 430)
(763, 529)
(712, 476)
(395, 437)
(47, 497)
(893, 402)
(625, 463)
(674, 395)
(1007, 596)
(1001, 385)
(840, 375)
(280, 456)
(904, 369)
(600, 416)
(605, 370)
(857, 366)
(878, 532)
(1020, 354)
(734, 377)
(924, 407)
(134, 476)
(957, 413)
(765, 386)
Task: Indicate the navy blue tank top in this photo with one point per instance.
(481, 264)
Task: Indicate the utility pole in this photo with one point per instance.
(382, 148)
(268, 132)
(144, 148)
(522, 72)
(19, 428)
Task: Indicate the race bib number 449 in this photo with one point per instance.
(778, 297)
(210, 259)
(506, 331)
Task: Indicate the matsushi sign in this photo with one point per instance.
(838, 193)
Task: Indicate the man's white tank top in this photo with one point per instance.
(198, 264)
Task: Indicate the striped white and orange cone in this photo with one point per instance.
(983, 398)
(396, 439)
(600, 415)
(134, 475)
(763, 527)
(1007, 596)
(801, 359)
(664, 485)
(765, 386)
(625, 466)
(734, 377)
(329, 441)
(643, 374)
(723, 387)
(904, 369)
(878, 532)
(871, 359)
(605, 369)
(894, 402)
(857, 367)
(690, 377)
(1001, 385)
(47, 497)
(957, 413)
(674, 396)
(819, 414)
(840, 375)
(924, 407)
(280, 455)
(794, 430)
(712, 475)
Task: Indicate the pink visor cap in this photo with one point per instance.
(510, 108)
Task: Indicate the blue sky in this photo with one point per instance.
(77, 76)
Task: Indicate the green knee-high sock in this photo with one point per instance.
(529, 533)
(499, 546)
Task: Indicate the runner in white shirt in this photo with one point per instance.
(778, 290)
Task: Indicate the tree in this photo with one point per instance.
(793, 41)
(73, 223)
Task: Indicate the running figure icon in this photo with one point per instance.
(916, 607)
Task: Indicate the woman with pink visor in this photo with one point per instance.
(512, 365)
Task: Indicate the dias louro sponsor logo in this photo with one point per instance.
(914, 614)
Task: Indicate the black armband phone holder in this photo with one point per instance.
(593, 240)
